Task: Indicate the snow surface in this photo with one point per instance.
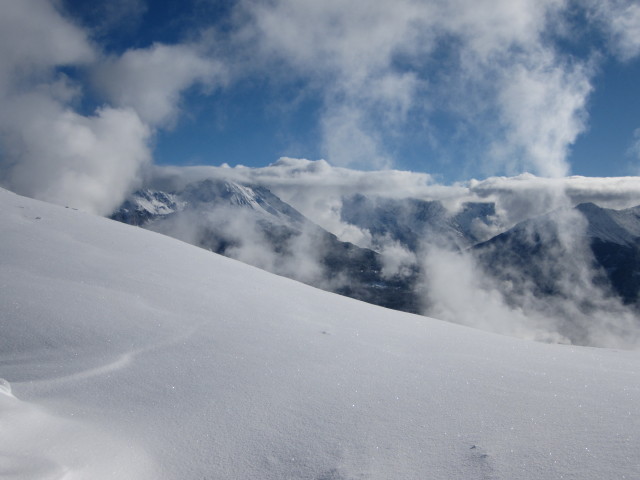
(131, 355)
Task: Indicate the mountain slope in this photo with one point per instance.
(131, 355)
(621, 227)
(251, 224)
(533, 253)
(615, 242)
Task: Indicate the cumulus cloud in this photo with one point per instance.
(346, 51)
(52, 151)
(526, 195)
(35, 37)
(315, 188)
(150, 80)
(377, 68)
(55, 154)
(459, 292)
(49, 151)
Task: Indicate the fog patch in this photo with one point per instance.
(458, 291)
(241, 234)
(397, 260)
(539, 282)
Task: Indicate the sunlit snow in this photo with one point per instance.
(126, 354)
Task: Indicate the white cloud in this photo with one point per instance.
(151, 80)
(349, 142)
(376, 63)
(543, 111)
(35, 37)
(503, 298)
(459, 292)
(527, 195)
(316, 188)
(50, 151)
(346, 51)
(492, 26)
(57, 155)
(620, 19)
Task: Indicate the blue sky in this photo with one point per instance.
(92, 92)
(255, 118)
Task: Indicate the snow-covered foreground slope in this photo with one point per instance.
(134, 356)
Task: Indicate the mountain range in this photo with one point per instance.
(532, 254)
(582, 255)
(249, 223)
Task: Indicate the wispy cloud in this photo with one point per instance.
(384, 61)
(620, 19)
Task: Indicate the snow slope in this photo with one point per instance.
(131, 355)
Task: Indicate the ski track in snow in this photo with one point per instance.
(123, 361)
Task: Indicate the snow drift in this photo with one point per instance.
(128, 354)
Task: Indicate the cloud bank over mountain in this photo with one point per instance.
(316, 188)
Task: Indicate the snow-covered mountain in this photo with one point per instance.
(614, 238)
(126, 354)
(531, 253)
(414, 222)
(249, 223)
(573, 273)
(148, 205)
(621, 227)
